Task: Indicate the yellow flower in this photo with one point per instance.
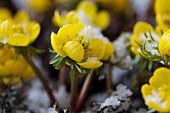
(140, 31)
(5, 14)
(164, 46)
(109, 50)
(39, 5)
(20, 32)
(86, 13)
(156, 95)
(72, 40)
(11, 68)
(162, 12)
(117, 6)
(160, 29)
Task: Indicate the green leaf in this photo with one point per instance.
(143, 65)
(140, 45)
(78, 68)
(150, 64)
(151, 110)
(51, 50)
(55, 59)
(59, 62)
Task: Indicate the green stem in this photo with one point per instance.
(74, 89)
(109, 80)
(84, 91)
(43, 80)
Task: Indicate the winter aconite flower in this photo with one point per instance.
(11, 69)
(5, 14)
(142, 33)
(78, 43)
(86, 13)
(39, 5)
(162, 11)
(164, 46)
(19, 31)
(156, 94)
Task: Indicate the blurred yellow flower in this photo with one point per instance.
(164, 46)
(86, 13)
(156, 95)
(161, 28)
(20, 31)
(39, 5)
(142, 32)
(78, 43)
(162, 11)
(118, 7)
(11, 68)
(5, 14)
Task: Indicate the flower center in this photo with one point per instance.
(84, 43)
(18, 28)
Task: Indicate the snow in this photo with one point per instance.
(38, 101)
(156, 98)
(112, 101)
(91, 59)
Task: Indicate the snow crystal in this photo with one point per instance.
(91, 59)
(87, 32)
(112, 101)
(122, 93)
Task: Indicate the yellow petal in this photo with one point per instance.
(40, 5)
(146, 90)
(72, 17)
(142, 27)
(95, 49)
(14, 80)
(164, 42)
(102, 19)
(109, 49)
(58, 19)
(33, 29)
(74, 50)
(5, 14)
(15, 66)
(6, 29)
(91, 65)
(162, 11)
(88, 7)
(160, 29)
(58, 48)
(18, 40)
(160, 77)
(4, 71)
(21, 17)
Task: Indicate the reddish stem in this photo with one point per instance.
(83, 93)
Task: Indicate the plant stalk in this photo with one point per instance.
(43, 80)
(74, 89)
(109, 80)
(84, 91)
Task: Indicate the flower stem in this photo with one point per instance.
(62, 75)
(74, 89)
(84, 90)
(42, 79)
(109, 80)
